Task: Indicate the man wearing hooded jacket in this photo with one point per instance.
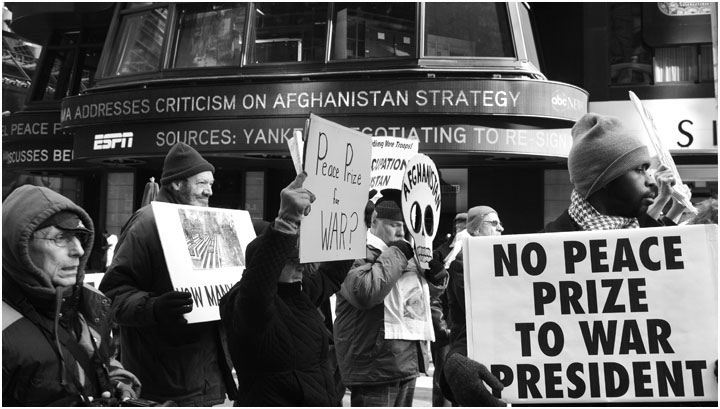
(187, 364)
(56, 338)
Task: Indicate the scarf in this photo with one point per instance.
(585, 215)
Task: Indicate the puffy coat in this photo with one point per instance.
(278, 339)
(39, 319)
(186, 363)
(364, 355)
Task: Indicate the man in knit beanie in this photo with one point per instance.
(608, 166)
(383, 313)
(175, 361)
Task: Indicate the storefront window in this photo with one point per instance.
(288, 32)
(139, 42)
(254, 194)
(374, 30)
(468, 30)
(210, 35)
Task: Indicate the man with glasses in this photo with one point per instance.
(481, 221)
(56, 338)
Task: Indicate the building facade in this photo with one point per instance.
(489, 89)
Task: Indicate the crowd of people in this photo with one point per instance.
(128, 343)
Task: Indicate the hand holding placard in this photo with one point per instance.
(295, 201)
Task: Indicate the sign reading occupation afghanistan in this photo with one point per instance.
(337, 161)
(606, 316)
(390, 157)
(205, 252)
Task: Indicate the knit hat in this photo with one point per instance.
(388, 206)
(603, 150)
(183, 161)
(476, 214)
(461, 217)
(65, 220)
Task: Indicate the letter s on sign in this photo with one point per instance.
(686, 133)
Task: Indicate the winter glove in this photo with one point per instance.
(170, 307)
(465, 378)
(295, 202)
(405, 247)
(436, 273)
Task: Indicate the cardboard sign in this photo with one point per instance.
(205, 252)
(389, 161)
(337, 161)
(421, 201)
(587, 317)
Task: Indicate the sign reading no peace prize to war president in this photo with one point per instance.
(590, 317)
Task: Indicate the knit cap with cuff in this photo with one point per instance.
(603, 150)
(182, 161)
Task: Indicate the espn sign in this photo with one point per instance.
(113, 141)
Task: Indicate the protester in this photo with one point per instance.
(278, 340)
(383, 313)
(175, 361)
(439, 309)
(608, 167)
(455, 379)
(56, 338)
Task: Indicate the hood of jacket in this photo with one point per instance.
(22, 212)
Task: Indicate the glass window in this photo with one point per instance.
(285, 32)
(468, 30)
(374, 30)
(139, 43)
(633, 61)
(254, 194)
(210, 35)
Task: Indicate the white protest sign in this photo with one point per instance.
(606, 316)
(421, 200)
(204, 251)
(337, 162)
(389, 160)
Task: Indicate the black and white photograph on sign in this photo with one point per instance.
(211, 239)
(205, 252)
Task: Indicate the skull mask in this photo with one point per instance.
(421, 205)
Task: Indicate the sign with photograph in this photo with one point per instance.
(603, 316)
(389, 160)
(205, 252)
(337, 162)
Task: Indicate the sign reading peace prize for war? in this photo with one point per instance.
(337, 162)
(204, 251)
(608, 316)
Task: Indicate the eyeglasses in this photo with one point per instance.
(493, 223)
(63, 239)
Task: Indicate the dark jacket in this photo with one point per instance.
(364, 355)
(185, 363)
(278, 338)
(566, 223)
(42, 323)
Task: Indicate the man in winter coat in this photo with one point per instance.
(56, 331)
(383, 313)
(608, 167)
(277, 337)
(175, 361)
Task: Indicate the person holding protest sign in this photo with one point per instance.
(608, 167)
(56, 330)
(462, 379)
(383, 313)
(278, 340)
(175, 361)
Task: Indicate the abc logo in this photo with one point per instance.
(561, 102)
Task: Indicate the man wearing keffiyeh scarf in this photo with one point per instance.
(608, 167)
